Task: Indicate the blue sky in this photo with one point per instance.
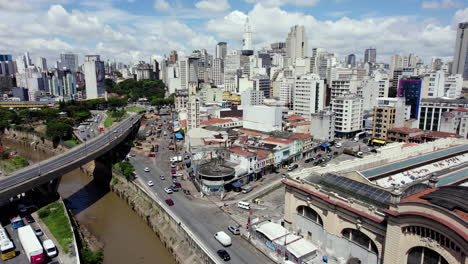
(132, 30)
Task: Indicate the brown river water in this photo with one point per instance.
(126, 238)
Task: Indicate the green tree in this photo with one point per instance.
(58, 130)
(90, 257)
(127, 169)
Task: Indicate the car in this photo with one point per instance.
(115, 131)
(151, 155)
(173, 165)
(177, 175)
(168, 190)
(223, 254)
(169, 202)
(247, 189)
(293, 167)
(146, 169)
(162, 177)
(92, 130)
(29, 219)
(174, 188)
(177, 184)
(187, 192)
(38, 232)
(234, 229)
(338, 145)
(150, 183)
(174, 180)
(49, 248)
(284, 176)
(129, 155)
(318, 156)
(309, 160)
(22, 208)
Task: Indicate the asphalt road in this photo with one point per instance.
(74, 154)
(90, 131)
(202, 217)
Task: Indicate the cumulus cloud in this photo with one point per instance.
(461, 16)
(441, 4)
(284, 2)
(161, 4)
(213, 5)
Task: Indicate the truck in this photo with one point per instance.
(223, 238)
(31, 245)
(360, 135)
(353, 152)
(17, 222)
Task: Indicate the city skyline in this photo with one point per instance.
(135, 30)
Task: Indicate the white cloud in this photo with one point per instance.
(284, 2)
(441, 4)
(213, 5)
(461, 16)
(390, 35)
(161, 4)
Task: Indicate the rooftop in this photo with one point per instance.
(277, 140)
(301, 136)
(303, 123)
(294, 118)
(405, 130)
(461, 109)
(216, 168)
(241, 152)
(251, 132)
(215, 121)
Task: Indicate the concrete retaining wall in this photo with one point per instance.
(180, 242)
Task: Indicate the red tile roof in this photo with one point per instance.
(301, 136)
(294, 118)
(448, 114)
(241, 152)
(405, 130)
(251, 132)
(262, 154)
(277, 140)
(215, 121)
(303, 123)
(438, 134)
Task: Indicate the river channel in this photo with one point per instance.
(125, 237)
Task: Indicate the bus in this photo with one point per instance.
(7, 248)
(31, 245)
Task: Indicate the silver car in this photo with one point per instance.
(234, 230)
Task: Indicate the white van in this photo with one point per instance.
(223, 238)
(49, 248)
(243, 205)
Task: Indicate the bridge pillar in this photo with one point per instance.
(103, 169)
(50, 189)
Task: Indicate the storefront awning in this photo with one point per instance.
(237, 184)
(179, 136)
(326, 145)
(378, 141)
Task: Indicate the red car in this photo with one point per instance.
(151, 155)
(169, 202)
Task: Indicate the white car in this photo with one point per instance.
(150, 183)
(338, 145)
(50, 248)
(129, 155)
(146, 169)
(162, 177)
(168, 190)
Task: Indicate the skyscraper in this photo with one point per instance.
(460, 58)
(41, 63)
(69, 61)
(221, 50)
(94, 76)
(173, 57)
(351, 60)
(247, 39)
(296, 43)
(370, 55)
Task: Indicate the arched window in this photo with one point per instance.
(423, 255)
(309, 213)
(360, 238)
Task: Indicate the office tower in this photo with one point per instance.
(144, 71)
(188, 68)
(388, 113)
(218, 71)
(173, 57)
(309, 95)
(262, 83)
(94, 77)
(193, 112)
(370, 55)
(460, 58)
(278, 47)
(41, 63)
(252, 97)
(69, 61)
(437, 64)
(221, 50)
(6, 57)
(348, 113)
(296, 43)
(156, 70)
(7, 65)
(351, 60)
(247, 49)
(410, 88)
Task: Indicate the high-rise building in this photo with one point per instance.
(221, 50)
(348, 113)
(437, 64)
(94, 77)
(218, 71)
(351, 60)
(193, 112)
(247, 48)
(262, 83)
(309, 95)
(296, 43)
(69, 61)
(252, 97)
(388, 113)
(286, 92)
(410, 88)
(173, 57)
(322, 125)
(6, 57)
(370, 55)
(144, 71)
(156, 70)
(188, 68)
(460, 58)
(41, 63)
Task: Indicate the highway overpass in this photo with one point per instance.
(52, 169)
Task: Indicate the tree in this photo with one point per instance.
(127, 169)
(58, 130)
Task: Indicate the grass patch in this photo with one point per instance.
(71, 142)
(54, 217)
(12, 164)
(110, 120)
(134, 109)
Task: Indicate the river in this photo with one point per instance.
(126, 238)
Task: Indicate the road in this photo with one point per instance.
(87, 132)
(41, 168)
(202, 217)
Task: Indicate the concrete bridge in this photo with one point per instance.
(46, 174)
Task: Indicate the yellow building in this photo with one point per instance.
(232, 97)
